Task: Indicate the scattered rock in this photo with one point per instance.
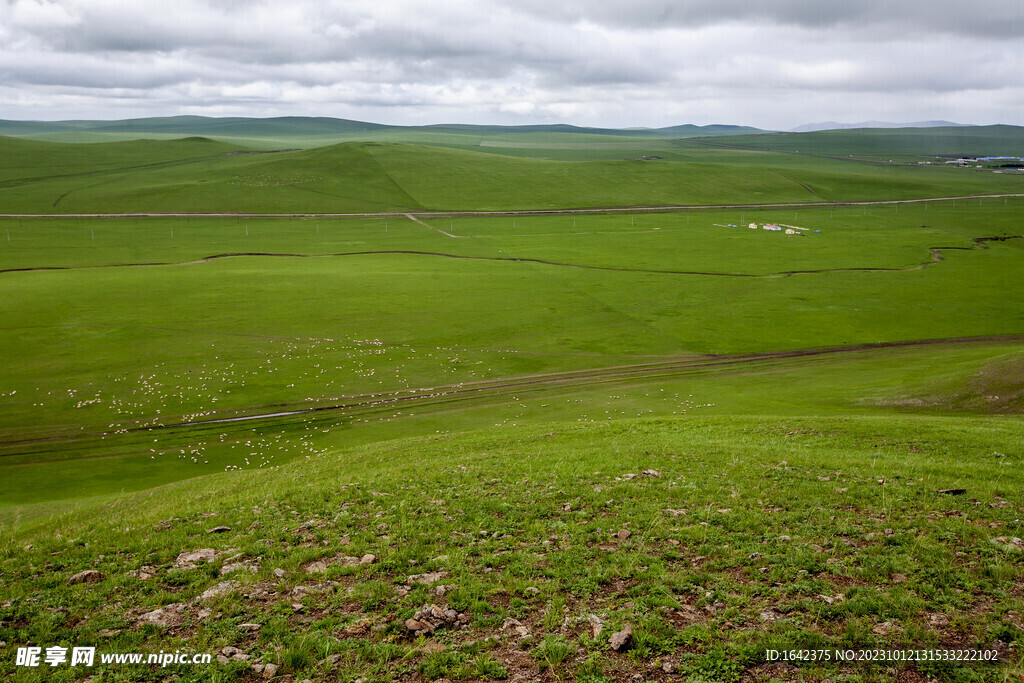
(222, 588)
(668, 667)
(88, 576)
(432, 617)
(205, 614)
(367, 559)
(532, 591)
(898, 578)
(360, 628)
(269, 671)
(143, 573)
(650, 473)
(427, 578)
(441, 590)
(1008, 541)
(218, 530)
(297, 607)
(107, 633)
(769, 615)
(515, 625)
(280, 573)
(885, 628)
(621, 640)
(333, 660)
(249, 566)
(249, 627)
(623, 534)
(596, 625)
(316, 567)
(938, 620)
(754, 556)
(952, 492)
(166, 616)
(191, 559)
(676, 513)
(784, 538)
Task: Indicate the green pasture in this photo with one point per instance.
(880, 143)
(770, 417)
(196, 175)
(714, 538)
(714, 241)
(94, 461)
(340, 311)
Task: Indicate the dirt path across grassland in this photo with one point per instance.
(447, 234)
(511, 212)
(465, 391)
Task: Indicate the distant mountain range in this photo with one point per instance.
(834, 125)
(324, 126)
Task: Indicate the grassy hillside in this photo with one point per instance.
(727, 439)
(892, 142)
(198, 175)
(712, 539)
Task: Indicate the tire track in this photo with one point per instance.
(465, 391)
(431, 227)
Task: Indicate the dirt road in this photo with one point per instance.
(521, 212)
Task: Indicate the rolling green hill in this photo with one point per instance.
(201, 175)
(471, 445)
(891, 142)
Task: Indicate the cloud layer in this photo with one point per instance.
(641, 63)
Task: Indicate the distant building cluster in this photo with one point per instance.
(977, 162)
(775, 227)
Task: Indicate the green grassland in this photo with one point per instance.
(205, 176)
(468, 393)
(891, 143)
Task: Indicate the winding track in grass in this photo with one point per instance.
(936, 257)
(464, 392)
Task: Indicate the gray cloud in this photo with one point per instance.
(992, 19)
(645, 62)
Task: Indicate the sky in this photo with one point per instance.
(772, 64)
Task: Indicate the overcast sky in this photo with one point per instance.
(768, 63)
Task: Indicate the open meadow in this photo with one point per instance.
(383, 411)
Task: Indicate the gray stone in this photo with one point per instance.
(190, 560)
(222, 588)
(88, 576)
(166, 616)
(427, 578)
(621, 640)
